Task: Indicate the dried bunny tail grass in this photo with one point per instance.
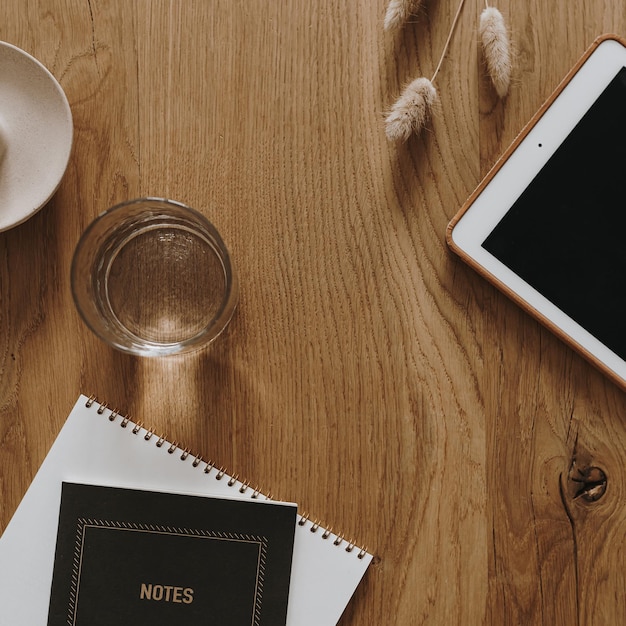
(496, 49)
(412, 110)
(414, 107)
(399, 12)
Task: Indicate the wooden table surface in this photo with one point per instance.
(368, 374)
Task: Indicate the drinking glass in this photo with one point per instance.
(153, 277)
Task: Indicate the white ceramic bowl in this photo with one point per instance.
(36, 133)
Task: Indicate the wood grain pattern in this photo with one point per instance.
(368, 373)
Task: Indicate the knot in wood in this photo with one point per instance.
(590, 483)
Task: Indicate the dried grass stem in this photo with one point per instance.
(445, 46)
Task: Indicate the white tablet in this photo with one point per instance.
(547, 225)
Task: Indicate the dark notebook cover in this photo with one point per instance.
(127, 558)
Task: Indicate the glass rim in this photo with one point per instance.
(144, 347)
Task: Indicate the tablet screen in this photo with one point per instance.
(566, 234)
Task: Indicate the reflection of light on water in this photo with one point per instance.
(168, 327)
(165, 285)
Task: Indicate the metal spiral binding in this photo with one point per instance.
(221, 472)
(316, 525)
(172, 446)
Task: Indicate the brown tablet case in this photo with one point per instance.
(487, 179)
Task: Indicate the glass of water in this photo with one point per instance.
(153, 277)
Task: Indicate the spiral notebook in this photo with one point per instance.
(99, 446)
